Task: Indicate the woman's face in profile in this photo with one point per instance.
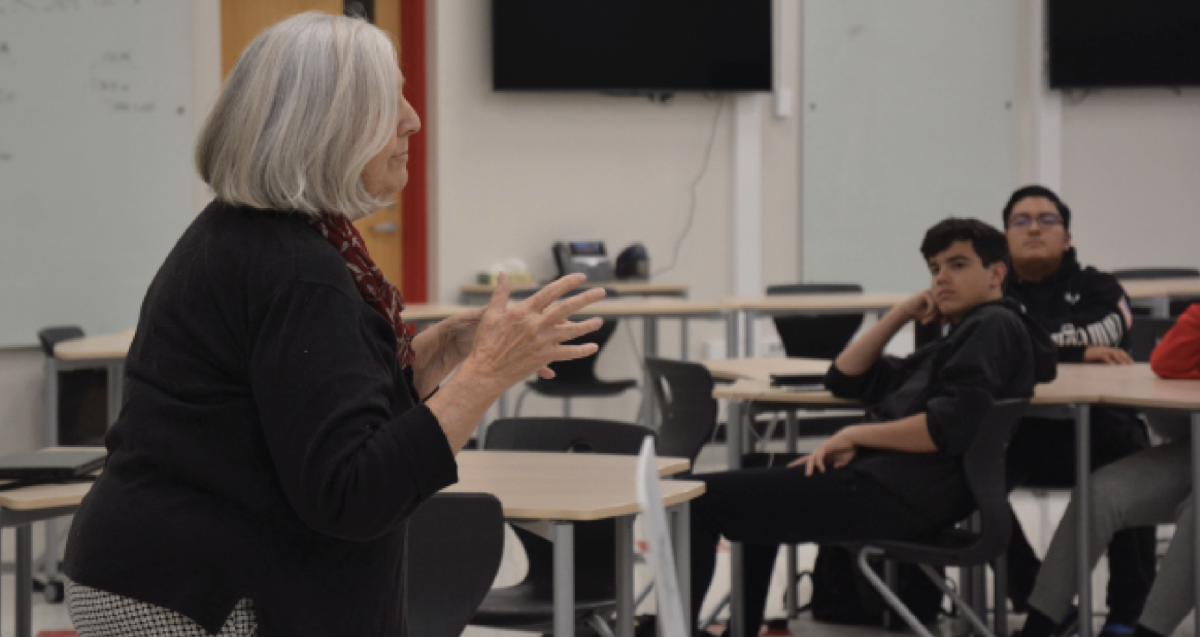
(387, 173)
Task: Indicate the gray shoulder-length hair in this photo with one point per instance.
(306, 106)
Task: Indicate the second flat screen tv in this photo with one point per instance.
(631, 45)
(1124, 43)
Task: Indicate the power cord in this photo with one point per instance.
(691, 215)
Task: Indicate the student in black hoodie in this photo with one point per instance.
(898, 475)
(1087, 315)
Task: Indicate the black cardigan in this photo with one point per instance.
(996, 352)
(269, 445)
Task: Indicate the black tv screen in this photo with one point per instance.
(631, 45)
(1115, 43)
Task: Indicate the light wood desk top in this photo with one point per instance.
(1128, 385)
(817, 303)
(651, 306)
(643, 288)
(107, 346)
(762, 368)
(557, 486)
(1153, 288)
(536, 486)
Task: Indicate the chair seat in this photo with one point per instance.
(568, 389)
(521, 608)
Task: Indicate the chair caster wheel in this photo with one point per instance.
(55, 592)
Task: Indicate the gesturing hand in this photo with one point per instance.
(512, 342)
(836, 452)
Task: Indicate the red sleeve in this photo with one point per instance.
(1178, 355)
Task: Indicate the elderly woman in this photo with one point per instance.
(281, 422)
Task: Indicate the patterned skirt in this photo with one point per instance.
(97, 613)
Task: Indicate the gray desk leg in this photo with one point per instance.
(683, 339)
(737, 598)
(51, 401)
(564, 578)
(649, 348)
(24, 580)
(682, 541)
(791, 596)
(731, 335)
(502, 406)
(1083, 472)
(116, 390)
(1160, 307)
(751, 319)
(624, 574)
(1196, 514)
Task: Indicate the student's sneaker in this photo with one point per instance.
(1114, 629)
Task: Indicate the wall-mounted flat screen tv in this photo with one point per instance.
(1115, 43)
(635, 46)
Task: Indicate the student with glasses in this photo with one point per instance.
(1087, 315)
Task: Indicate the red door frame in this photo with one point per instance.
(415, 196)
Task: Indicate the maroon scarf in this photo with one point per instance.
(376, 290)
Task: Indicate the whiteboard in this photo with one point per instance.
(96, 177)
(908, 118)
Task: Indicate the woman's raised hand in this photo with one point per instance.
(514, 341)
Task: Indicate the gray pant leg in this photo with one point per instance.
(1171, 597)
(1144, 489)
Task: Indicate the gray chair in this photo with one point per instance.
(529, 605)
(455, 544)
(983, 464)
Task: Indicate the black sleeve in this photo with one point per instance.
(872, 385)
(325, 383)
(972, 377)
(1099, 318)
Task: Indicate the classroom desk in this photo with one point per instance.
(20, 508)
(560, 488)
(753, 307)
(1157, 294)
(1077, 388)
(734, 369)
(479, 293)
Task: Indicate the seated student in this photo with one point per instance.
(1151, 487)
(898, 475)
(1178, 354)
(1087, 315)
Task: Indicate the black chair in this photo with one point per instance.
(577, 378)
(983, 464)
(455, 544)
(1176, 306)
(822, 336)
(684, 395)
(529, 605)
(1145, 335)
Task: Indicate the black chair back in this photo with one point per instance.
(455, 544)
(595, 542)
(983, 464)
(582, 370)
(1145, 335)
(822, 336)
(51, 336)
(684, 395)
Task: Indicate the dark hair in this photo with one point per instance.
(989, 243)
(1038, 191)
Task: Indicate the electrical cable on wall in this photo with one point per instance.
(691, 216)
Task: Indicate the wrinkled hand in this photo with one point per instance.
(512, 342)
(1106, 355)
(836, 452)
(922, 307)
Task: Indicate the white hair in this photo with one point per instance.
(306, 106)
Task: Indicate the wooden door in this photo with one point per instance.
(241, 20)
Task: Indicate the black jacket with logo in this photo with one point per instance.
(1080, 307)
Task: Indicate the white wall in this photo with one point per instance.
(1130, 165)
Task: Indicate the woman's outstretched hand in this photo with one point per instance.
(514, 341)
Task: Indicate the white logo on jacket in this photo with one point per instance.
(1071, 298)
